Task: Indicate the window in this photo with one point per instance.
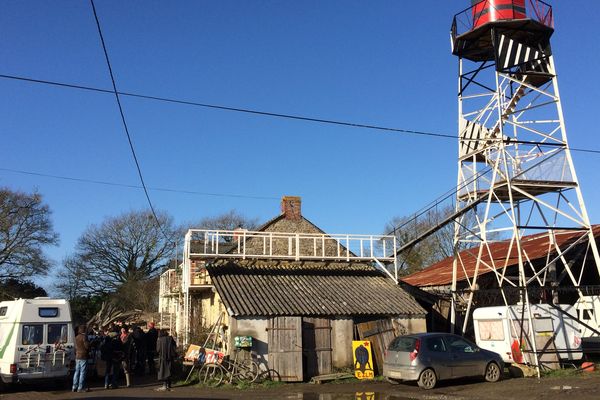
(3, 311)
(48, 312)
(459, 345)
(403, 343)
(32, 334)
(587, 314)
(543, 325)
(436, 344)
(57, 333)
(492, 329)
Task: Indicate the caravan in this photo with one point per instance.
(505, 330)
(588, 312)
(36, 340)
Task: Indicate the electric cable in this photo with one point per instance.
(116, 93)
(125, 185)
(256, 112)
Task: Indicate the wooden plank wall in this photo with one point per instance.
(380, 333)
(317, 347)
(285, 348)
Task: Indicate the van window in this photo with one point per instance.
(57, 333)
(48, 312)
(32, 334)
(587, 314)
(491, 329)
(3, 311)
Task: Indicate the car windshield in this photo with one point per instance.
(403, 343)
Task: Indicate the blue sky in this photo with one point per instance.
(380, 62)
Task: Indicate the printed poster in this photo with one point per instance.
(363, 359)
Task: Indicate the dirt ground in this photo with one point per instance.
(579, 387)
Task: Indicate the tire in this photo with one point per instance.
(247, 371)
(492, 372)
(211, 375)
(269, 375)
(427, 379)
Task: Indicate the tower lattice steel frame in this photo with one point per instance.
(515, 171)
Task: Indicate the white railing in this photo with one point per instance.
(169, 282)
(244, 244)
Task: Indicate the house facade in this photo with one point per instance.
(301, 294)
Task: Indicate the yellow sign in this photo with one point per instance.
(363, 359)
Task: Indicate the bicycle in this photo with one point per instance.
(245, 370)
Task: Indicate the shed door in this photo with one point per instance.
(285, 348)
(316, 340)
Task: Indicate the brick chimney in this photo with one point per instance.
(291, 207)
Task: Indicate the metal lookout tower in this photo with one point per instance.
(516, 177)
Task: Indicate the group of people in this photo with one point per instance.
(124, 348)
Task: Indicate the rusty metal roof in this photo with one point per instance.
(309, 289)
(500, 253)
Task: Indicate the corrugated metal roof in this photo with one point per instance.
(309, 289)
(535, 246)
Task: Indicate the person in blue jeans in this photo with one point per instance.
(82, 349)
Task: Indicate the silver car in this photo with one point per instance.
(430, 357)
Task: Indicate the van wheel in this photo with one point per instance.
(427, 379)
(492, 372)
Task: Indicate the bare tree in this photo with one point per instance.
(434, 248)
(25, 228)
(123, 252)
(230, 220)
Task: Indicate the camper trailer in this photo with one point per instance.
(36, 340)
(588, 312)
(505, 330)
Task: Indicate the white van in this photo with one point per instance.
(505, 330)
(36, 340)
(588, 312)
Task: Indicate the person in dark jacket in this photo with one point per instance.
(167, 352)
(151, 338)
(139, 339)
(82, 349)
(111, 353)
(128, 360)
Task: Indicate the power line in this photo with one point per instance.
(125, 185)
(248, 110)
(229, 108)
(114, 85)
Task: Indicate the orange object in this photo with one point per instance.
(517, 355)
(588, 367)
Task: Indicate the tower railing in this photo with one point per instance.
(475, 16)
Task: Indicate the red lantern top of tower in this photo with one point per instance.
(529, 21)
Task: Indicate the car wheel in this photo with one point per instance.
(427, 379)
(492, 372)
